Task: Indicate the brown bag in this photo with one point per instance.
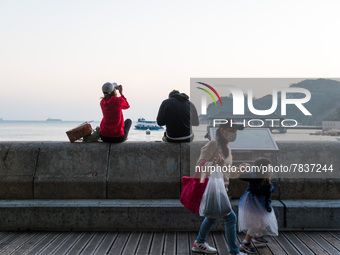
(82, 130)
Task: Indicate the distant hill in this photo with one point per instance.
(323, 105)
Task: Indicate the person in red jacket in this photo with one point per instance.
(113, 128)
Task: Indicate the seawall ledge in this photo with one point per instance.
(145, 170)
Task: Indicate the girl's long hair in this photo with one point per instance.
(260, 162)
(222, 142)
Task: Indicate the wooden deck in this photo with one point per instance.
(173, 243)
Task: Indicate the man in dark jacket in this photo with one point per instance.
(178, 114)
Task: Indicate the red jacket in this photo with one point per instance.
(112, 124)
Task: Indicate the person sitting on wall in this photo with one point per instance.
(179, 115)
(113, 128)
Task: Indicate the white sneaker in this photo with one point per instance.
(203, 247)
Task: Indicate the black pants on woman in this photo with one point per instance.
(127, 126)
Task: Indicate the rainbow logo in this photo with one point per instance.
(212, 89)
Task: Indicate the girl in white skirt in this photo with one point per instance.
(256, 216)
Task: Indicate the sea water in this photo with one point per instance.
(56, 131)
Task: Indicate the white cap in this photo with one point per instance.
(108, 87)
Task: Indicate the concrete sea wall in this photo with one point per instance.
(99, 186)
(133, 170)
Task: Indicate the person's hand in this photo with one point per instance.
(204, 176)
(120, 89)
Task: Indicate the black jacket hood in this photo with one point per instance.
(181, 97)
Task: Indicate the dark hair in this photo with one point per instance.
(173, 92)
(261, 185)
(262, 161)
(222, 142)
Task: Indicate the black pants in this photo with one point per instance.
(127, 126)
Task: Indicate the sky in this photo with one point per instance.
(55, 55)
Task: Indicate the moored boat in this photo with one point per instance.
(143, 124)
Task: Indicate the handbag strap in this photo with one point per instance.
(196, 175)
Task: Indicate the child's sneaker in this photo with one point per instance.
(259, 240)
(203, 247)
(247, 247)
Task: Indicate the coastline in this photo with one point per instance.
(56, 131)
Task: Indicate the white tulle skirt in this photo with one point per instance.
(253, 214)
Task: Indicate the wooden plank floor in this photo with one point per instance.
(172, 243)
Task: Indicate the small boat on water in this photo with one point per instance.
(143, 124)
(49, 119)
